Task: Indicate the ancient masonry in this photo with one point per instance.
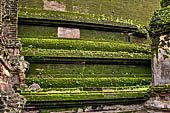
(160, 34)
(12, 65)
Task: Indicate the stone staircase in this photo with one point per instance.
(90, 62)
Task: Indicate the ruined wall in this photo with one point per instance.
(160, 95)
(161, 44)
(12, 65)
(9, 67)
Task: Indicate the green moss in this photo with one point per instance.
(111, 91)
(165, 3)
(104, 89)
(74, 17)
(86, 96)
(140, 10)
(79, 70)
(31, 3)
(103, 35)
(30, 31)
(160, 88)
(41, 75)
(88, 82)
(160, 22)
(81, 54)
(83, 45)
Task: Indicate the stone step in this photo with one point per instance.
(85, 45)
(89, 82)
(57, 99)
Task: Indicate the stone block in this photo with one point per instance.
(68, 32)
(54, 5)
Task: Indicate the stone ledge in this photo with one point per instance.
(73, 19)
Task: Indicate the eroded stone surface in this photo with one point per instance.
(161, 61)
(68, 32)
(54, 5)
(160, 98)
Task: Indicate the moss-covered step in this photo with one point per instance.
(81, 95)
(89, 89)
(89, 82)
(139, 11)
(35, 52)
(42, 75)
(82, 60)
(55, 18)
(79, 70)
(84, 45)
(72, 98)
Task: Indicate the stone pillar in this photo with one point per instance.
(9, 21)
(161, 44)
(12, 65)
(160, 34)
(161, 60)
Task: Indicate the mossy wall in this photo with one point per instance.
(87, 70)
(137, 10)
(37, 31)
(30, 31)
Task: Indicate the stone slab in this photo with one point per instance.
(68, 32)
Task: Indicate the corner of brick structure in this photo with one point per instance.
(12, 65)
(160, 34)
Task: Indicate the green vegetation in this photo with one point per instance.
(85, 92)
(80, 70)
(103, 35)
(75, 17)
(103, 89)
(87, 95)
(62, 97)
(160, 22)
(164, 3)
(140, 10)
(83, 45)
(41, 75)
(32, 31)
(31, 3)
(26, 51)
(88, 82)
(161, 88)
(86, 70)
